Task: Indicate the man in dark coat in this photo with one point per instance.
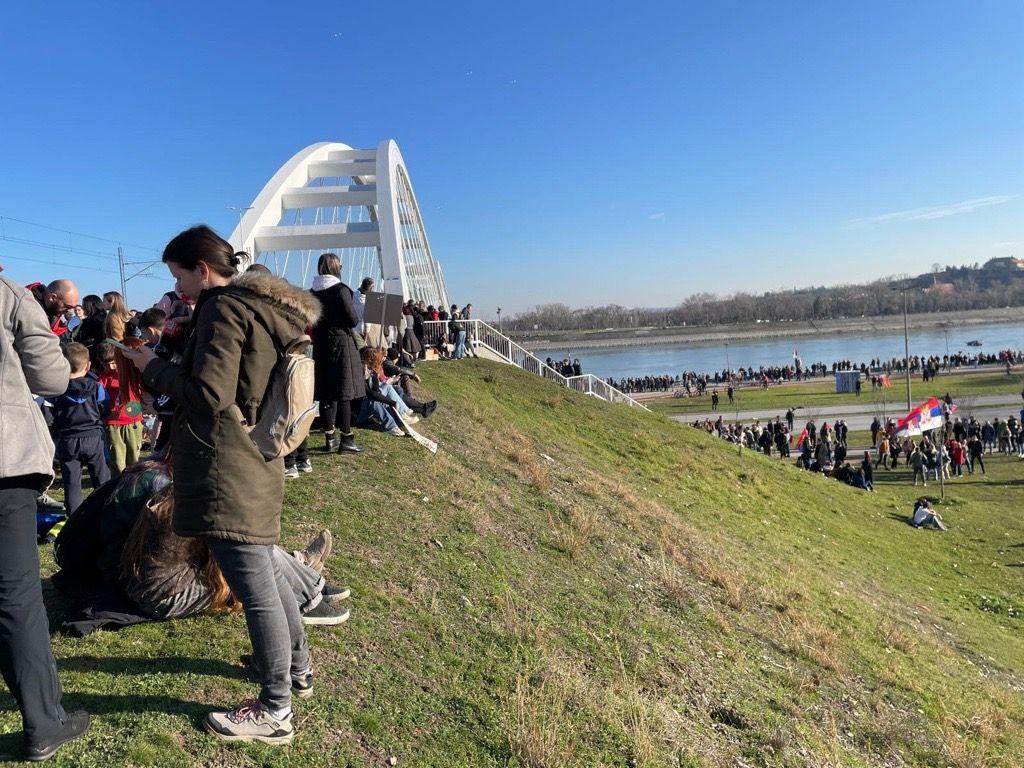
(339, 371)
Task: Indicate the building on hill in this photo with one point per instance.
(1005, 262)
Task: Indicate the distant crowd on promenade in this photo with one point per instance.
(694, 384)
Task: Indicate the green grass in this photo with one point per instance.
(570, 583)
(821, 393)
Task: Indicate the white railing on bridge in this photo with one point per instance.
(482, 334)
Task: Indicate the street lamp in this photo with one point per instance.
(499, 319)
(906, 341)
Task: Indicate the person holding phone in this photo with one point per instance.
(225, 491)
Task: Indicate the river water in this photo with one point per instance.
(674, 359)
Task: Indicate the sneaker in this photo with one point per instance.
(317, 551)
(250, 721)
(47, 501)
(76, 726)
(326, 614)
(397, 432)
(411, 418)
(334, 593)
(290, 473)
(305, 466)
(302, 685)
(429, 408)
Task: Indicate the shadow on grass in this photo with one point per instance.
(131, 665)
(12, 744)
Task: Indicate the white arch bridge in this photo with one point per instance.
(358, 203)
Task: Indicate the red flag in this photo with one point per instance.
(884, 381)
(803, 436)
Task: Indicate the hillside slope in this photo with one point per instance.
(569, 583)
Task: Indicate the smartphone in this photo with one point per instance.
(119, 345)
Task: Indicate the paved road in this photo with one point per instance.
(857, 416)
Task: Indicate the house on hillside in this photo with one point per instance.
(1005, 262)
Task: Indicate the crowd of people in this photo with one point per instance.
(694, 384)
(958, 449)
(160, 408)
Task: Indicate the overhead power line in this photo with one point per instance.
(76, 234)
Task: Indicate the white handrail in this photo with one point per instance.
(486, 335)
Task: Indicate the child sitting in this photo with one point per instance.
(78, 428)
(123, 419)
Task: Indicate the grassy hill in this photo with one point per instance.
(570, 583)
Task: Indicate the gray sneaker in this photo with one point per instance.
(291, 473)
(250, 721)
(305, 466)
(316, 552)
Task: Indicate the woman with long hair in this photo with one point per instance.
(225, 491)
(117, 315)
(339, 374)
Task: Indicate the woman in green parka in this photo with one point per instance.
(225, 491)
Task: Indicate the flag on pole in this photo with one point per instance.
(803, 436)
(925, 417)
(884, 381)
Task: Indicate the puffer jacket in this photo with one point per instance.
(223, 486)
(30, 363)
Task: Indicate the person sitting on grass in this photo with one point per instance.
(401, 375)
(381, 396)
(926, 517)
(123, 562)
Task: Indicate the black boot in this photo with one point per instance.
(75, 726)
(428, 408)
(330, 441)
(348, 444)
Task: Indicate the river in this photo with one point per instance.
(618, 362)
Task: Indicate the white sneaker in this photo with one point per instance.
(290, 473)
(411, 418)
(250, 721)
(397, 432)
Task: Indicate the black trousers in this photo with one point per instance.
(26, 660)
(75, 452)
(336, 412)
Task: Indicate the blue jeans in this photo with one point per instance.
(371, 410)
(460, 345)
(271, 615)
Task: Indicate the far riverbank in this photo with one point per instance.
(695, 335)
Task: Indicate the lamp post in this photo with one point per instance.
(906, 345)
(499, 319)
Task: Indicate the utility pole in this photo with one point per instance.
(906, 347)
(499, 319)
(120, 269)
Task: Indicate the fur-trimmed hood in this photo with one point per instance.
(282, 295)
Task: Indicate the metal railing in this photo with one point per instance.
(480, 333)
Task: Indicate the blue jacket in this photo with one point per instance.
(79, 410)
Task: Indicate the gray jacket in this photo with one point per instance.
(30, 363)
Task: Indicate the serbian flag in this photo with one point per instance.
(926, 416)
(803, 436)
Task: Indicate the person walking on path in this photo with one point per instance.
(30, 363)
(225, 491)
(338, 369)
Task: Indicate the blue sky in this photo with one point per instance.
(578, 152)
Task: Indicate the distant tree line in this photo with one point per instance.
(999, 283)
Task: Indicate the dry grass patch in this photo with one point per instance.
(572, 530)
(816, 641)
(540, 734)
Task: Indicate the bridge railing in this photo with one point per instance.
(483, 334)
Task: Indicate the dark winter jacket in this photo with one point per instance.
(339, 371)
(79, 410)
(223, 487)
